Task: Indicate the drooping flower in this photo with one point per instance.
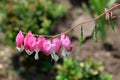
(27, 43)
(112, 16)
(57, 44)
(108, 14)
(31, 44)
(66, 45)
(65, 41)
(40, 42)
(33, 47)
(19, 41)
(49, 48)
(39, 46)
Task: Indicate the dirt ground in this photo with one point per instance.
(108, 52)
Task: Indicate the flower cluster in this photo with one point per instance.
(40, 44)
(109, 14)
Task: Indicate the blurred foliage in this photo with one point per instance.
(81, 70)
(35, 15)
(30, 69)
(96, 7)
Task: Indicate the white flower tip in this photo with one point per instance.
(28, 52)
(65, 53)
(20, 49)
(36, 56)
(54, 57)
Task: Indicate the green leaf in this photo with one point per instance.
(112, 23)
(46, 24)
(110, 3)
(107, 77)
(95, 34)
(102, 28)
(81, 37)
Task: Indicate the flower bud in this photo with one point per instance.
(57, 44)
(19, 41)
(107, 16)
(27, 43)
(66, 43)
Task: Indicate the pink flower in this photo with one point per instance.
(112, 16)
(27, 43)
(66, 43)
(19, 41)
(108, 14)
(38, 46)
(31, 43)
(57, 44)
(47, 47)
(50, 48)
(40, 42)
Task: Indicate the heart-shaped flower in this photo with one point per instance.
(40, 42)
(66, 45)
(19, 41)
(47, 47)
(27, 43)
(57, 44)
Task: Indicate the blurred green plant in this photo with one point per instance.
(81, 70)
(96, 7)
(35, 15)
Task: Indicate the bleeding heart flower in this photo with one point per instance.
(31, 43)
(109, 14)
(39, 46)
(47, 47)
(66, 45)
(57, 44)
(19, 41)
(112, 16)
(27, 42)
(50, 49)
(40, 42)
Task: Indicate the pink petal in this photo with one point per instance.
(19, 39)
(111, 14)
(40, 42)
(47, 47)
(57, 44)
(107, 16)
(31, 43)
(65, 41)
(26, 40)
